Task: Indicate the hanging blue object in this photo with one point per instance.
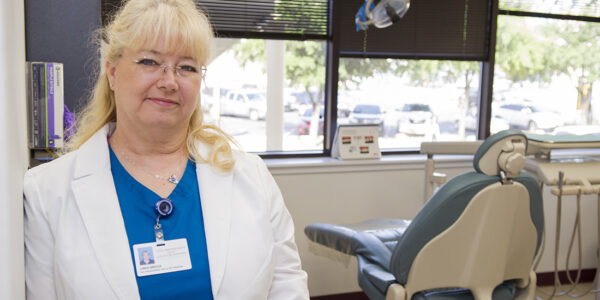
(381, 13)
(361, 16)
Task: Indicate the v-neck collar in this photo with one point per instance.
(129, 179)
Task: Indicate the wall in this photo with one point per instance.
(315, 192)
(351, 192)
(13, 152)
(61, 31)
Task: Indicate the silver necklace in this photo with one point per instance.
(171, 178)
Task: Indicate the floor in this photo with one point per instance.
(543, 292)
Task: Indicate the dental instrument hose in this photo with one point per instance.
(543, 243)
(576, 230)
(557, 237)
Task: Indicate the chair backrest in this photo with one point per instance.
(480, 229)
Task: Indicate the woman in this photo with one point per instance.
(146, 179)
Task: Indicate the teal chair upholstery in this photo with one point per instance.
(488, 223)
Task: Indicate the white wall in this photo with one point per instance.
(351, 192)
(13, 152)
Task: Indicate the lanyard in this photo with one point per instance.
(164, 208)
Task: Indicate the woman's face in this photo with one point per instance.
(154, 89)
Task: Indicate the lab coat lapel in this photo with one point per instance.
(215, 196)
(96, 198)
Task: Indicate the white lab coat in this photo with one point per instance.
(77, 247)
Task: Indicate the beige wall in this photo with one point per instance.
(13, 152)
(350, 192)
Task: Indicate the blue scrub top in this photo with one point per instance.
(186, 221)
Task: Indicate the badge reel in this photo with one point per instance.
(167, 255)
(163, 208)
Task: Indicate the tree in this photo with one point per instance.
(354, 70)
(305, 69)
(575, 52)
(539, 53)
(519, 50)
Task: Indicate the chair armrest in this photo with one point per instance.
(376, 275)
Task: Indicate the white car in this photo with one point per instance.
(366, 114)
(251, 104)
(418, 119)
(496, 123)
(528, 116)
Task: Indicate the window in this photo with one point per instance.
(423, 72)
(547, 65)
(235, 96)
(411, 100)
(271, 56)
(284, 74)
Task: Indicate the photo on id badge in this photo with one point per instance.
(146, 256)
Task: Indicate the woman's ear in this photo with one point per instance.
(111, 69)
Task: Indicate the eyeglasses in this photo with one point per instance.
(151, 67)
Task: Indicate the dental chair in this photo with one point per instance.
(476, 238)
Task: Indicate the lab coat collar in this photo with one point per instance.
(96, 197)
(215, 196)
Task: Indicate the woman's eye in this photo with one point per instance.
(187, 68)
(147, 62)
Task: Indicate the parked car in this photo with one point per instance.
(366, 114)
(471, 122)
(418, 119)
(299, 101)
(245, 103)
(528, 116)
(306, 119)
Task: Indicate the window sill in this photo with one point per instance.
(313, 165)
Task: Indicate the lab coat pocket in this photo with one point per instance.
(258, 288)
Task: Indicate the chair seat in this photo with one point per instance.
(356, 238)
(474, 239)
(372, 242)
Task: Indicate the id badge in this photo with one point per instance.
(168, 256)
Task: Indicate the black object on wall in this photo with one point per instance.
(61, 31)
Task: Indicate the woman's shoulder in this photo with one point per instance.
(91, 150)
(245, 157)
(245, 160)
(53, 170)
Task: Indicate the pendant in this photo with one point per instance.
(172, 179)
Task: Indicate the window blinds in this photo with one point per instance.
(440, 29)
(290, 19)
(285, 19)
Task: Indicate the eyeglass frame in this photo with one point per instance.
(176, 68)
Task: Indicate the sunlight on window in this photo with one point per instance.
(411, 100)
(235, 94)
(545, 74)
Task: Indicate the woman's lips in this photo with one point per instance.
(163, 101)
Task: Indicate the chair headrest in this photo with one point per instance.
(503, 151)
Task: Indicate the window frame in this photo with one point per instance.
(332, 62)
(531, 14)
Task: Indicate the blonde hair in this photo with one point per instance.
(137, 24)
